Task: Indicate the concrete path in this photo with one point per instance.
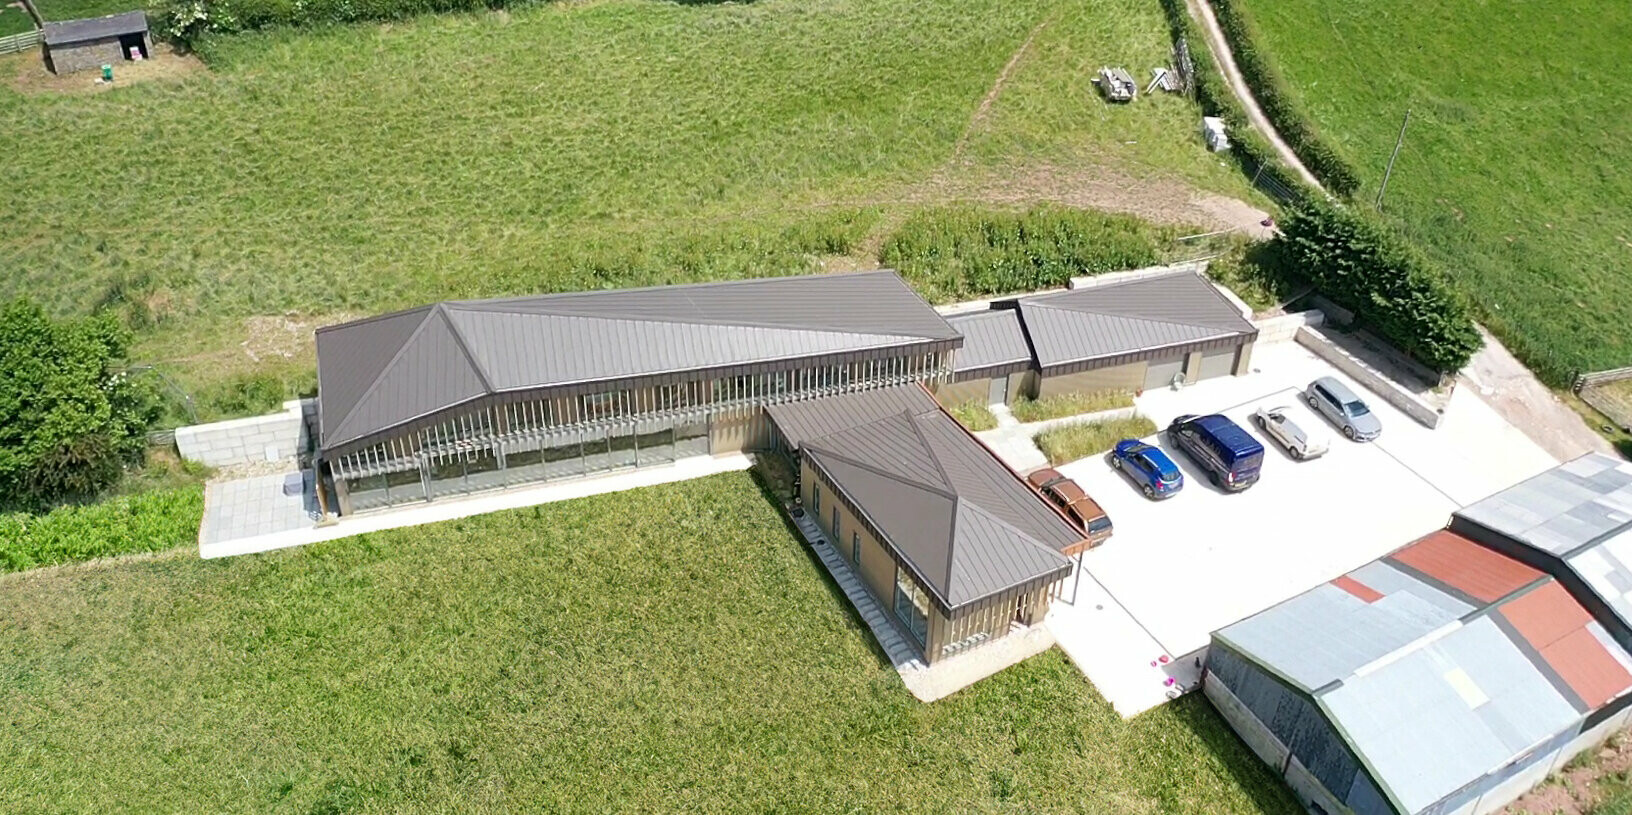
(450, 508)
(1012, 441)
(1512, 391)
(1202, 11)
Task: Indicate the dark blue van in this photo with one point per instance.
(1230, 456)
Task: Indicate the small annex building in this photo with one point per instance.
(945, 535)
(88, 44)
(1446, 678)
(1130, 335)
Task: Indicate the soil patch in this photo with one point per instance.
(30, 74)
(1577, 789)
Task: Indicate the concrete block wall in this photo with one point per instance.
(1372, 379)
(271, 437)
(1285, 328)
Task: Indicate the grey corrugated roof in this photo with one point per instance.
(961, 519)
(1580, 512)
(379, 373)
(1119, 318)
(95, 28)
(990, 339)
(1448, 712)
(810, 418)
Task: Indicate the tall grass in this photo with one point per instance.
(1512, 175)
(1076, 441)
(1070, 404)
(146, 522)
(669, 649)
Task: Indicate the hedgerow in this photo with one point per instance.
(148, 522)
(1275, 99)
(958, 253)
(188, 20)
(1391, 288)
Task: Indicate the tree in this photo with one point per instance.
(69, 421)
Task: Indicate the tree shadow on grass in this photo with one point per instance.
(1195, 714)
(834, 592)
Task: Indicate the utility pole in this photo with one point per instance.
(1390, 171)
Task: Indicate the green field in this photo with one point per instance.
(1513, 172)
(670, 649)
(311, 175)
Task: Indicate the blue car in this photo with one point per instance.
(1149, 467)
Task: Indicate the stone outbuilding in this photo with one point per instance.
(86, 45)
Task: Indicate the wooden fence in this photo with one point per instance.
(19, 42)
(1614, 402)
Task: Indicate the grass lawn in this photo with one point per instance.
(314, 175)
(1074, 441)
(670, 649)
(1513, 170)
(1069, 404)
(973, 415)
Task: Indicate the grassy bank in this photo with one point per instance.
(1511, 175)
(579, 656)
(149, 521)
(314, 175)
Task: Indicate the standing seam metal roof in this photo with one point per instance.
(962, 520)
(1169, 311)
(384, 372)
(991, 340)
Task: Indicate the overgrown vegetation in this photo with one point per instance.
(1069, 404)
(1391, 288)
(960, 253)
(146, 522)
(69, 420)
(973, 415)
(1076, 441)
(1514, 184)
(578, 656)
(1278, 105)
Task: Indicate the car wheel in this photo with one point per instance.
(1150, 492)
(1313, 405)
(1213, 477)
(1348, 430)
(1297, 454)
(1116, 463)
(1259, 420)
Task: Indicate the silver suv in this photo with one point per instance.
(1341, 407)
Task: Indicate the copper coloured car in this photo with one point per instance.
(1082, 510)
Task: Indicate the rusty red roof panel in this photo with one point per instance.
(1556, 626)
(1466, 566)
(1366, 593)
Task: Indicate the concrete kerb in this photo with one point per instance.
(1374, 380)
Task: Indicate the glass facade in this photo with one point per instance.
(546, 438)
(911, 605)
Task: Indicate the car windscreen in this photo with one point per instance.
(1099, 524)
(1357, 408)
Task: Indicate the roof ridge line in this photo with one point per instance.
(696, 284)
(425, 320)
(816, 445)
(1156, 320)
(464, 348)
(567, 312)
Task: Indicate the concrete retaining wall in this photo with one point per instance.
(242, 441)
(1285, 328)
(1373, 380)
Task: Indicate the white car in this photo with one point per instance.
(1299, 443)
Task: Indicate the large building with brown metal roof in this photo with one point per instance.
(1453, 674)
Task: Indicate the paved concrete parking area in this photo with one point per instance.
(258, 506)
(1179, 569)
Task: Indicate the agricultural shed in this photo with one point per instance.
(1446, 678)
(1136, 334)
(938, 528)
(88, 44)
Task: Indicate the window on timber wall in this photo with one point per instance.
(911, 605)
(855, 548)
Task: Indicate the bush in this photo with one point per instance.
(961, 253)
(149, 522)
(189, 20)
(68, 422)
(1075, 441)
(1070, 404)
(1275, 99)
(1391, 288)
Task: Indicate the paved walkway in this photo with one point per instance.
(902, 654)
(440, 510)
(1508, 387)
(258, 506)
(1012, 441)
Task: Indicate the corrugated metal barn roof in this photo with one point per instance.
(1440, 662)
(963, 521)
(991, 339)
(379, 373)
(95, 28)
(1579, 513)
(1120, 318)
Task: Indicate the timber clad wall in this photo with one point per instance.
(1129, 377)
